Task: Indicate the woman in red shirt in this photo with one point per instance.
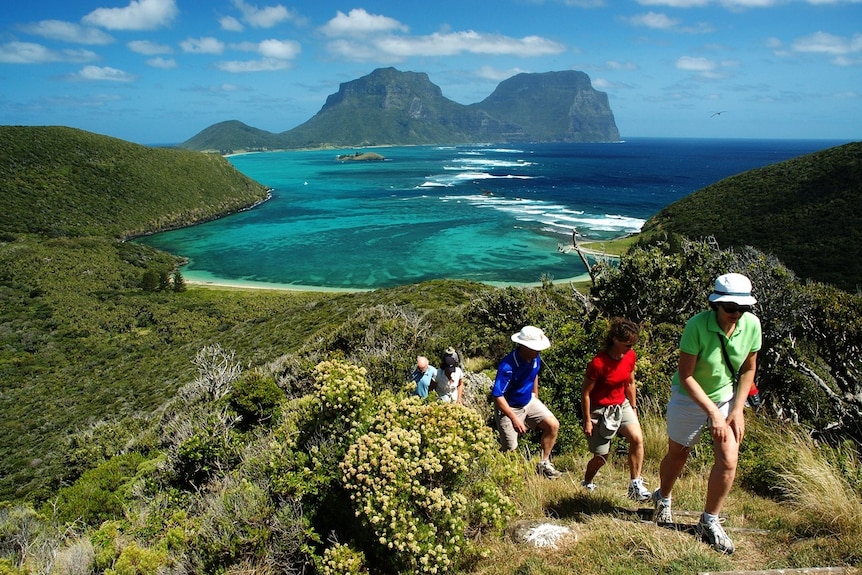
(609, 403)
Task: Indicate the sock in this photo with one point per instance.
(708, 517)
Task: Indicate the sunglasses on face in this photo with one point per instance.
(733, 308)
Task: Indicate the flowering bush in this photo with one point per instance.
(342, 390)
(416, 481)
(342, 560)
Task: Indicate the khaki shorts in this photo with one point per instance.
(531, 415)
(600, 445)
(686, 420)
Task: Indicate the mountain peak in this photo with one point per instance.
(392, 107)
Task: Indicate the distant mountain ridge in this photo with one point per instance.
(391, 107)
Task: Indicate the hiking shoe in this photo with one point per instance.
(545, 469)
(638, 491)
(588, 486)
(712, 533)
(662, 512)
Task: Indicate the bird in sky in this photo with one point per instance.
(718, 113)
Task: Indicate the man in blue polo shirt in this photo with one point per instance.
(516, 397)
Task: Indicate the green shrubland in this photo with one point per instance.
(225, 431)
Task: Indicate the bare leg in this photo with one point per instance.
(635, 437)
(722, 474)
(671, 466)
(593, 467)
(550, 426)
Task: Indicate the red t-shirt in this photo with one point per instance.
(611, 377)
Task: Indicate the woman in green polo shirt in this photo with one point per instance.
(715, 346)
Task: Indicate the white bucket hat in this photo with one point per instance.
(735, 288)
(532, 337)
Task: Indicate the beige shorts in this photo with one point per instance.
(531, 415)
(601, 445)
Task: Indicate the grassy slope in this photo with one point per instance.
(60, 181)
(807, 211)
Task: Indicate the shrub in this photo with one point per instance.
(136, 560)
(233, 526)
(415, 481)
(99, 494)
(342, 560)
(255, 398)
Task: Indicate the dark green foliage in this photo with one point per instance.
(98, 495)
(178, 282)
(59, 181)
(806, 211)
(255, 399)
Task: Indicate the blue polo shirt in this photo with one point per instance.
(423, 380)
(700, 338)
(515, 379)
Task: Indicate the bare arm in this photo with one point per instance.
(736, 419)
(586, 407)
(632, 391)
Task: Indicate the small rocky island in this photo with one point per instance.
(360, 157)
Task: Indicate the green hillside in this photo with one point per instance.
(807, 211)
(146, 428)
(58, 181)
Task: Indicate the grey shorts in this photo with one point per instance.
(531, 414)
(600, 445)
(686, 420)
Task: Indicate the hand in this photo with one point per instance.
(719, 428)
(736, 422)
(519, 426)
(588, 428)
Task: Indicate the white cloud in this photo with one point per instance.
(448, 44)
(359, 22)
(231, 24)
(675, 3)
(68, 32)
(138, 15)
(653, 20)
(824, 43)
(691, 64)
(102, 73)
(615, 65)
(207, 45)
(490, 73)
(163, 63)
(280, 49)
(148, 48)
(264, 65)
(265, 17)
(30, 53)
(277, 55)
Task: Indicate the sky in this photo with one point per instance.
(159, 71)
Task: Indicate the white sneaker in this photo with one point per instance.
(712, 533)
(638, 490)
(546, 469)
(662, 513)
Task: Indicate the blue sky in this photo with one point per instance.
(160, 71)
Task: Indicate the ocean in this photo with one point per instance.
(499, 214)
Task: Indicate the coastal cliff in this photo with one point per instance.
(389, 107)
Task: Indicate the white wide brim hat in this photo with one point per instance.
(532, 337)
(732, 288)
